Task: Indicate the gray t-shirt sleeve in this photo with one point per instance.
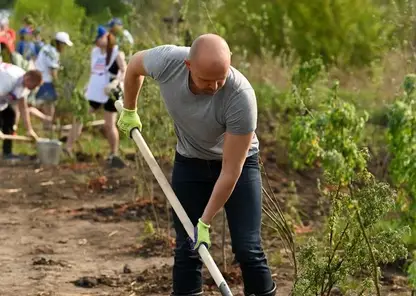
(241, 113)
(158, 60)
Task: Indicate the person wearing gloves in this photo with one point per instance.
(47, 62)
(104, 87)
(216, 165)
(15, 84)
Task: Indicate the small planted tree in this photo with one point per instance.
(347, 252)
(402, 167)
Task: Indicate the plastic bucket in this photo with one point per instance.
(49, 151)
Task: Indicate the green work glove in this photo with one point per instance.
(129, 120)
(201, 233)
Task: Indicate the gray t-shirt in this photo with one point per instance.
(201, 120)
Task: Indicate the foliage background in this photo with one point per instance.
(366, 45)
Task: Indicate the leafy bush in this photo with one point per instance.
(67, 16)
(402, 147)
(347, 32)
(75, 61)
(352, 242)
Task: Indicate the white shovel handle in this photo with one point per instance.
(177, 207)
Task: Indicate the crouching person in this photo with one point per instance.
(15, 85)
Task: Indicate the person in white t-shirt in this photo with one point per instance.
(47, 63)
(104, 88)
(15, 85)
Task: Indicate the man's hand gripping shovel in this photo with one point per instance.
(177, 207)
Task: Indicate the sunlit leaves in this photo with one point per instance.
(352, 242)
(330, 137)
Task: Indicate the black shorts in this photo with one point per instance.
(109, 106)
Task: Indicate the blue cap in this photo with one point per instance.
(115, 21)
(101, 31)
(24, 31)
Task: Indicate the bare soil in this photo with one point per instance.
(84, 230)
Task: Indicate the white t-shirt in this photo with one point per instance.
(100, 76)
(11, 86)
(48, 58)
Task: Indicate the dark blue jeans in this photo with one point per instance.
(193, 181)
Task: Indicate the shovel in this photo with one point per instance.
(15, 138)
(177, 207)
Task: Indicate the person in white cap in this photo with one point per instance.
(47, 63)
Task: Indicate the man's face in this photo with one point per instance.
(207, 81)
(29, 83)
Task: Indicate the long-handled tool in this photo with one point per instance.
(177, 207)
(15, 138)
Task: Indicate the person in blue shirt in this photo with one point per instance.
(26, 47)
(37, 40)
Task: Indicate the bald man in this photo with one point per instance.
(214, 110)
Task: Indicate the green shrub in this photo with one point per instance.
(347, 32)
(351, 245)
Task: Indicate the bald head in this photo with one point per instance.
(210, 50)
(209, 62)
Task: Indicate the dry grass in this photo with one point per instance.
(374, 86)
(264, 70)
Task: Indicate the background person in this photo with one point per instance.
(104, 88)
(25, 46)
(48, 64)
(38, 41)
(15, 84)
(123, 37)
(7, 34)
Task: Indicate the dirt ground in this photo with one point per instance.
(84, 230)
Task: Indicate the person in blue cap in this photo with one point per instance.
(26, 47)
(123, 37)
(116, 26)
(103, 89)
(37, 40)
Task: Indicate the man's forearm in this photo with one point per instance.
(222, 191)
(132, 87)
